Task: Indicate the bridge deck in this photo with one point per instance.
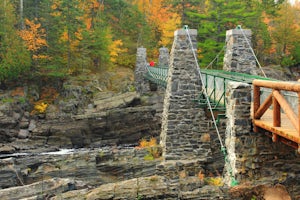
(286, 130)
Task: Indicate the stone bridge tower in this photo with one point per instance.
(141, 84)
(238, 56)
(183, 122)
(164, 57)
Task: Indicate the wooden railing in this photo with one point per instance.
(286, 124)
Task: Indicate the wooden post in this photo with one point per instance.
(276, 118)
(256, 99)
(256, 104)
(286, 108)
(276, 113)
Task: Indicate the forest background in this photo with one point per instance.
(63, 38)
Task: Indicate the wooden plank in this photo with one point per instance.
(286, 133)
(286, 130)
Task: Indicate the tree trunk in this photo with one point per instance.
(21, 14)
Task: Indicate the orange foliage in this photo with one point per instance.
(89, 6)
(161, 16)
(19, 91)
(88, 22)
(144, 143)
(49, 94)
(34, 37)
(201, 176)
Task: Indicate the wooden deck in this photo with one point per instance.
(282, 121)
(287, 130)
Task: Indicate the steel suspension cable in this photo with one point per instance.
(205, 93)
(239, 26)
(215, 58)
(233, 182)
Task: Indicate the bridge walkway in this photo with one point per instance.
(282, 124)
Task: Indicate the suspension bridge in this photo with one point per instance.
(249, 103)
(271, 111)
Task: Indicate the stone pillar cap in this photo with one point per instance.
(238, 32)
(183, 32)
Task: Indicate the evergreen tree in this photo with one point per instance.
(185, 8)
(128, 24)
(63, 22)
(14, 58)
(218, 16)
(96, 36)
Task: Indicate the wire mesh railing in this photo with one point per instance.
(215, 84)
(157, 75)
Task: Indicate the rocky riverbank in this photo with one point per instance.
(83, 148)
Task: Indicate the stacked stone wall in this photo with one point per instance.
(238, 56)
(238, 103)
(141, 84)
(183, 122)
(253, 156)
(164, 57)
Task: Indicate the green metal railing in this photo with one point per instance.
(215, 83)
(157, 75)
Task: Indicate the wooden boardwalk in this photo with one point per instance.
(287, 130)
(282, 120)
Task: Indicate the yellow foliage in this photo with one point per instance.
(215, 181)
(64, 37)
(115, 49)
(54, 6)
(55, 14)
(47, 96)
(35, 57)
(78, 34)
(168, 29)
(40, 107)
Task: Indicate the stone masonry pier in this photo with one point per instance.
(183, 122)
(238, 56)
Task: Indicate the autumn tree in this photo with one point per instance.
(129, 29)
(285, 33)
(14, 58)
(96, 35)
(162, 19)
(35, 38)
(183, 8)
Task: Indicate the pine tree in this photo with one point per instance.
(14, 58)
(129, 25)
(96, 36)
(218, 16)
(63, 21)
